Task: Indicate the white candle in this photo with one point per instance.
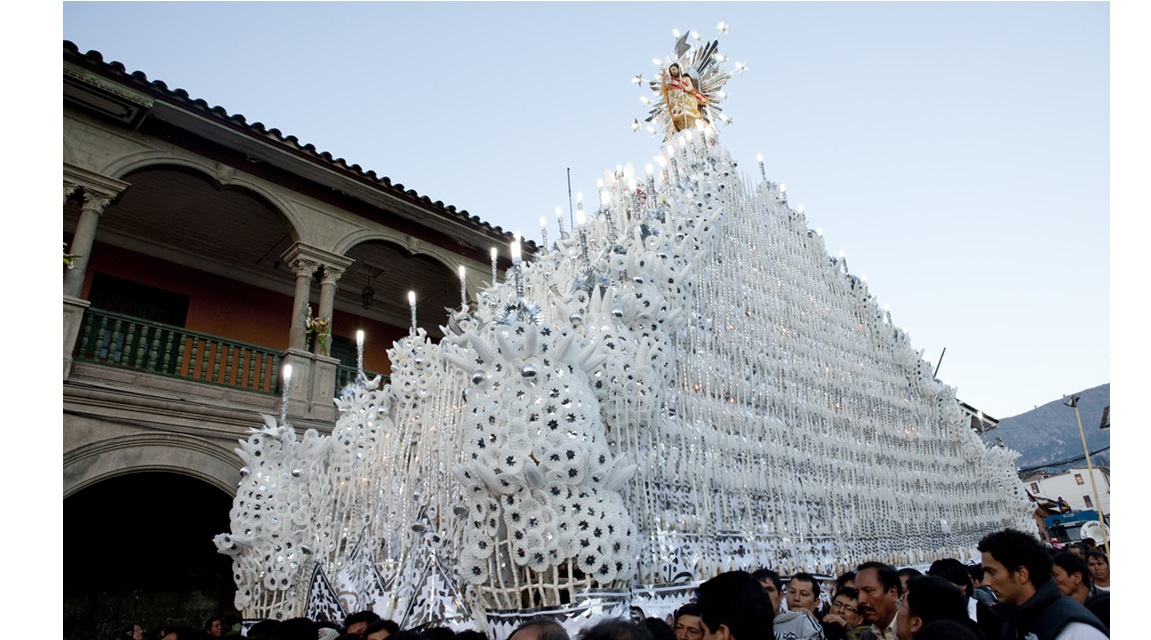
(412, 302)
(360, 338)
(287, 374)
(516, 257)
(581, 218)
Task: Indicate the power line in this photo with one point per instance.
(1061, 462)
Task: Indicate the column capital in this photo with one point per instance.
(92, 183)
(301, 256)
(96, 202)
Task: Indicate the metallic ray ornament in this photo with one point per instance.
(689, 88)
(518, 311)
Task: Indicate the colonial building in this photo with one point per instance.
(200, 244)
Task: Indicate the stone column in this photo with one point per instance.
(82, 241)
(99, 191)
(297, 333)
(311, 392)
(328, 290)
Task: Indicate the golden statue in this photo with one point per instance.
(683, 99)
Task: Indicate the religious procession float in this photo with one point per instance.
(685, 383)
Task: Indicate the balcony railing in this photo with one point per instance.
(125, 342)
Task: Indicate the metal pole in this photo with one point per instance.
(571, 211)
(1090, 472)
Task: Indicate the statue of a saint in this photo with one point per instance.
(683, 99)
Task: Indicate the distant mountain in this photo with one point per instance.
(1050, 434)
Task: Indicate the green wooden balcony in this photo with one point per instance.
(121, 341)
(117, 340)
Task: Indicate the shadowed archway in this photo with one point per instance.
(138, 548)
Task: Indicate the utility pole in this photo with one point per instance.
(1073, 402)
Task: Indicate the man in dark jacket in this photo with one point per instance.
(734, 606)
(1019, 570)
(1073, 578)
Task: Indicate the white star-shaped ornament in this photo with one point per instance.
(638, 79)
(721, 27)
(741, 67)
(635, 125)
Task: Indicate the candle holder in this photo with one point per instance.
(284, 398)
(412, 303)
(495, 274)
(360, 355)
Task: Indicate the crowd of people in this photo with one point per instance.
(1022, 589)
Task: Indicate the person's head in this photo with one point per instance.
(615, 629)
(928, 598)
(976, 573)
(846, 605)
(214, 626)
(298, 629)
(358, 622)
(1071, 575)
(688, 624)
(1016, 564)
(184, 632)
(381, 629)
(439, 633)
(906, 573)
(658, 628)
(954, 572)
(947, 630)
(735, 606)
(1099, 566)
(674, 70)
(772, 585)
(879, 589)
(845, 580)
(540, 628)
(803, 593)
(132, 632)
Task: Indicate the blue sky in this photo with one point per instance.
(959, 153)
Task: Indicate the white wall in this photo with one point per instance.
(1068, 487)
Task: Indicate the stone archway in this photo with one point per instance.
(138, 548)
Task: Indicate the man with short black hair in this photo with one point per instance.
(879, 590)
(927, 599)
(358, 622)
(688, 624)
(1073, 578)
(540, 628)
(1019, 570)
(787, 625)
(734, 606)
(842, 621)
(615, 629)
